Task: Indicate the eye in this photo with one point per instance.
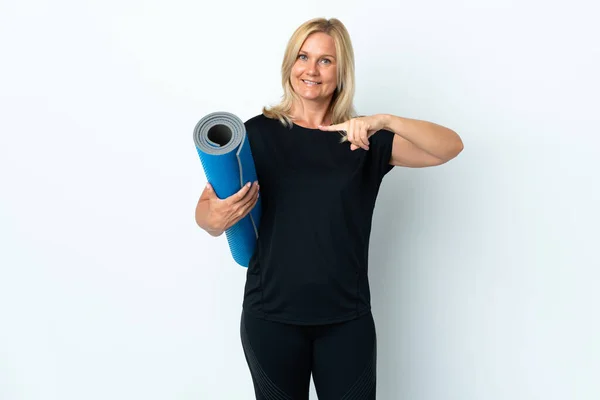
(326, 60)
(302, 55)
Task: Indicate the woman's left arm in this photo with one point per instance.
(416, 143)
(420, 143)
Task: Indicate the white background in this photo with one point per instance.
(484, 271)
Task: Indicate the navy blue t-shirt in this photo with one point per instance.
(311, 260)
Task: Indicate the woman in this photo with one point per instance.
(306, 305)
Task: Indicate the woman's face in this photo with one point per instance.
(314, 75)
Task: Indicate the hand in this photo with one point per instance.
(216, 215)
(358, 130)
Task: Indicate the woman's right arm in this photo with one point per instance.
(216, 215)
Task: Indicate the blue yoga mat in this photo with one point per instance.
(225, 154)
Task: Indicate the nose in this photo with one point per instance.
(312, 69)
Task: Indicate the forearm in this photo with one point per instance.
(432, 138)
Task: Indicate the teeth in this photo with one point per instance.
(310, 82)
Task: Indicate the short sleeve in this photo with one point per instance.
(380, 149)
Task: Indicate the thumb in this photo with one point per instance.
(208, 191)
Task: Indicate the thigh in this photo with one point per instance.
(345, 360)
(279, 358)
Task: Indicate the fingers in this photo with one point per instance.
(238, 205)
(356, 131)
(364, 140)
(240, 209)
(357, 135)
(252, 203)
(240, 194)
(250, 198)
(221, 214)
(338, 127)
(360, 135)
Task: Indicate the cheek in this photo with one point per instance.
(294, 76)
(296, 71)
(330, 73)
(332, 78)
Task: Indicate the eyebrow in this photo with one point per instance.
(324, 55)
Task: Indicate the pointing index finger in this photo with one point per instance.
(338, 127)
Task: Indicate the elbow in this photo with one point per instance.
(458, 147)
(455, 148)
(451, 151)
(200, 218)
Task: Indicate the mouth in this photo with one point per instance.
(310, 83)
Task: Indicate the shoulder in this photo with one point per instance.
(264, 124)
(255, 120)
(261, 121)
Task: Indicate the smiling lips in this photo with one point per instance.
(310, 83)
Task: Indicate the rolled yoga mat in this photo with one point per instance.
(225, 154)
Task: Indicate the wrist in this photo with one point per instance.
(386, 121)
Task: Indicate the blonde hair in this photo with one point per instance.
(341, 106)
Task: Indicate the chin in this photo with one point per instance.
(311, 96)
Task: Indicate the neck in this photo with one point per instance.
(311, 114)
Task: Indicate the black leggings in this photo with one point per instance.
(342, 358)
